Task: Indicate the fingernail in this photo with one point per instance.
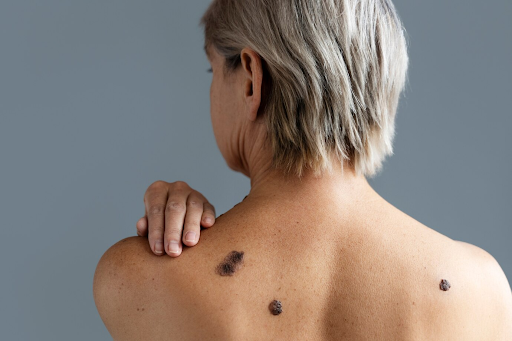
(208, 220)
(190, 236)
(159, 247)
(174, 246)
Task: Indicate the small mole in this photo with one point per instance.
(275, 307)
(444, 285)
(142, 309)
(232, 262)
(137, 309)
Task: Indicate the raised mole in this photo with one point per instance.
(275, 307)
(444, 285)
(231, 263)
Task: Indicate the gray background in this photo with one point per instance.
(98, 99)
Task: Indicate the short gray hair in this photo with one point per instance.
(336, 70)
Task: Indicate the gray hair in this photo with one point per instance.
(336, 69)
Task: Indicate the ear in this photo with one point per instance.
(252, 81)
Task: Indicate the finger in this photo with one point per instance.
(192, 227)
(208, 217)
(142, 227)
(155, 208)
(174, 217)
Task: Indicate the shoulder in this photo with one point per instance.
(489, 283)
(488, 267)
(125, 288)
(126, 260)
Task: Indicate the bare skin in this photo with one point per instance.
(343, 270)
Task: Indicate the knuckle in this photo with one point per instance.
(156, 210)
(194, 203)
(173, 232)
(155, 234)
(209, 206)
(157, 184)
(180, 184)
(192, 223)
(175, 206)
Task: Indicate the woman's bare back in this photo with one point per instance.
(337, 273)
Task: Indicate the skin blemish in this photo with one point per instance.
(275, 307)
(444, 285)
(231, 263)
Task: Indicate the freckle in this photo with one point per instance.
(275, 307)
(122, 283)
(232, 262)
(153, 279)
(137, 309)
(142, 309)
(413, 303)
(444, 285)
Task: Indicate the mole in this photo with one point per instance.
(232, 262)
(275, 307)
(444, 285)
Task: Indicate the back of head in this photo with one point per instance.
(335, 70)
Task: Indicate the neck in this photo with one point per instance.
(268, 184)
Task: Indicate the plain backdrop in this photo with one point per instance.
(99, 99)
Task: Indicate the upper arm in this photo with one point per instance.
(494, 285)
(123, 289)
(502, 298)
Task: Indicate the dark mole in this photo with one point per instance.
(275, 307)
(232, 262)
(444, 285)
